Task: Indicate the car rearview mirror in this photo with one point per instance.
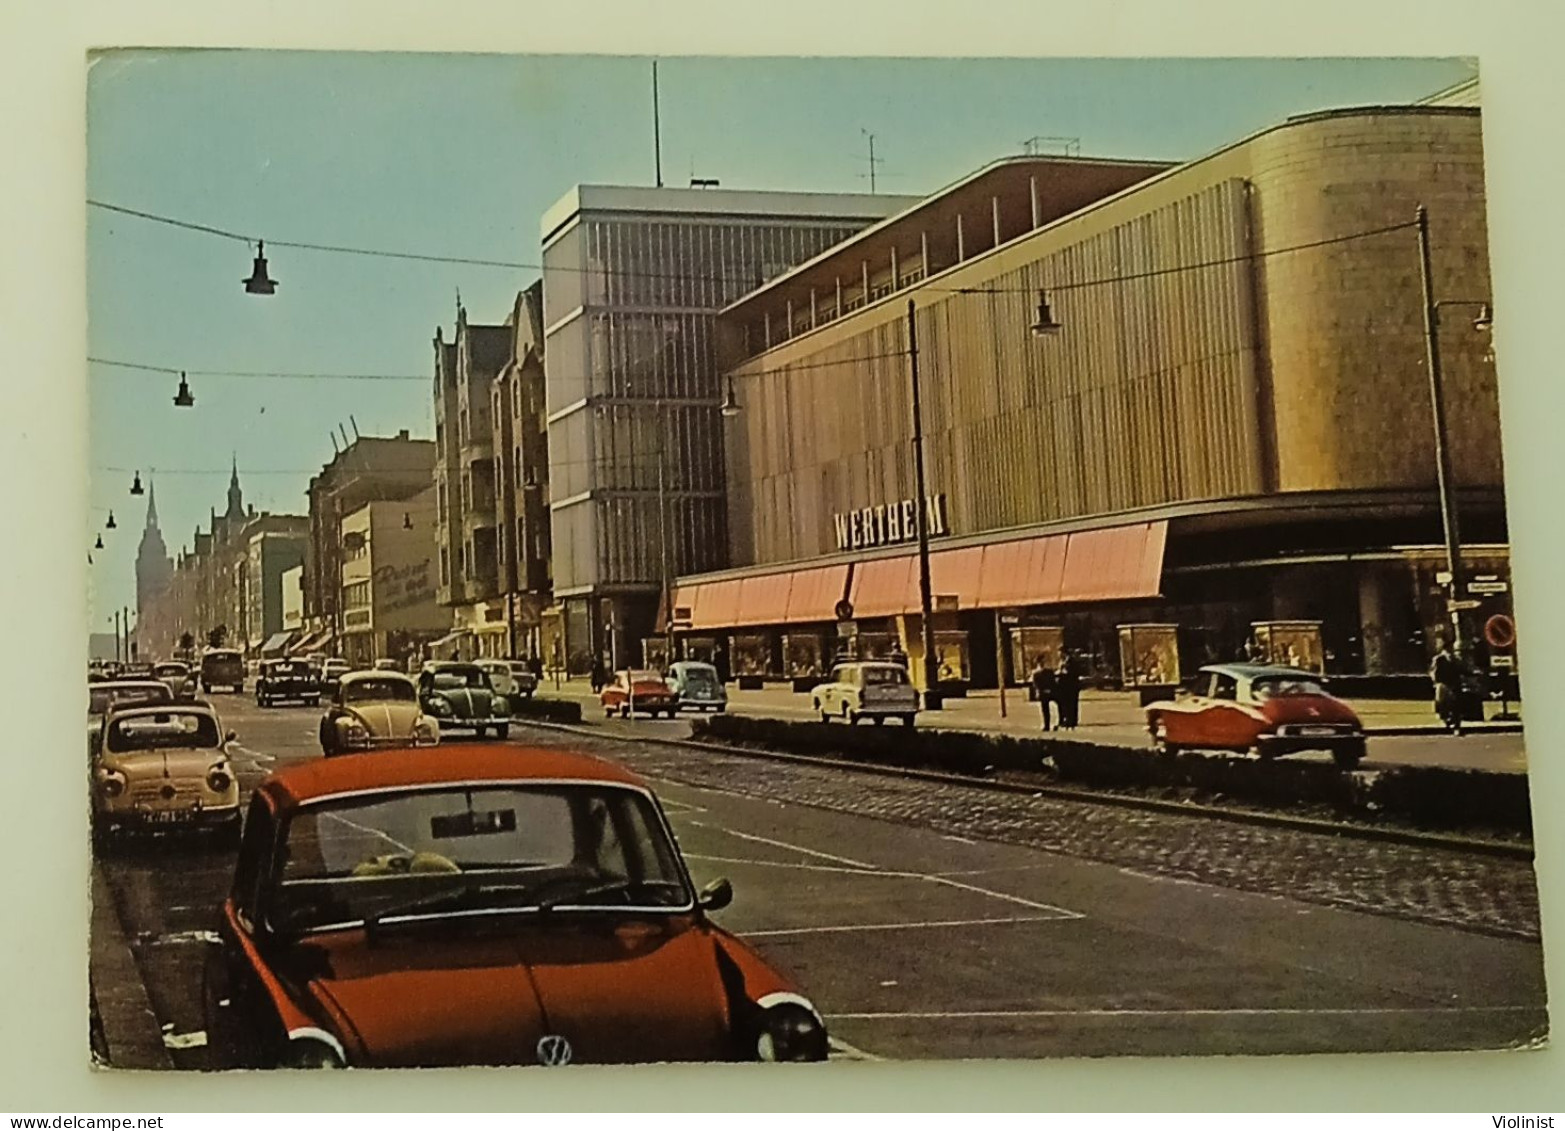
(230, 736)
(716, 895)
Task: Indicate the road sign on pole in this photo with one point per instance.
(1457, 606)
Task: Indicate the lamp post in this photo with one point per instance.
(1444, 479)
(925, 600)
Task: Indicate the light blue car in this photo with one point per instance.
(697, 686)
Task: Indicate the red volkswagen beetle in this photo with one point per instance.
(639, 691)
(486, 905)
(1271, 710)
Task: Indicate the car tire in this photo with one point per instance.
(907, 720)
(624, 712)
(608, 712)
(206, 688)
(226, 835)
(825, 718)
(880, 720)
(503, 731)
(480, 732)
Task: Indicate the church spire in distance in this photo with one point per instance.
(236, 499)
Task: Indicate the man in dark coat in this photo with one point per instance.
(599, 673)
(1043, 688)
(1067, 691)
(1445, 672)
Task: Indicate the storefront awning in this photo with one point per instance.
(448, 638)
(881, 588)
(815, 593)
(276, 643)
(312, 642)
(764, 599)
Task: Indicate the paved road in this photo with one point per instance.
(942, 921)
(1114, 717)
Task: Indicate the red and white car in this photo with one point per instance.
(1271, 710)
(643, 691)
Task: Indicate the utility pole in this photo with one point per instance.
(926, 601)
(668, 612)
(657, 130)
(873, 160)
(1448, 515)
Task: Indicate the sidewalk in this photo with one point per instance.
(128, 1027)
(1106, 716)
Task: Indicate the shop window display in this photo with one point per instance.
(951, 657)
(876, 645)
(1148, 655)
(700, 648)
(751, 656)
(1031, 642)
(1293, 644)
(654, 653)
(802, 659)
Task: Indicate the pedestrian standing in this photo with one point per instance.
(898, 656)
(1445, 672)
(1067, 691)
(1043, 687)
(599, 674)
(720, 662)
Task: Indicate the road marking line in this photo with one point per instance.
(181, 937)
(958, 839)
(791, 847)
(1062, 911)
(851, 1052)
(194, 1040)
(1388, 1011)
(799, 867)
(907, 926)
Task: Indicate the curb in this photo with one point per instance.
(1065, 793)
(1429, 731)
(123, 1012)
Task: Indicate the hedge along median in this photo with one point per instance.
(548, 710)
(1426, 796)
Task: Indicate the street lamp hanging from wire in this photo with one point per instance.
(184, 398)
(259, 282)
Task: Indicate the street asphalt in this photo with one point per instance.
(938, 920)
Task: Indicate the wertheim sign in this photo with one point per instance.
(888, 523)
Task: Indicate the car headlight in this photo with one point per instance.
(112, 783)
(312, 1052)
(218, 779)
(791, 1030)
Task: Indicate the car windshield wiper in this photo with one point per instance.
(446, 899)
(588, 889)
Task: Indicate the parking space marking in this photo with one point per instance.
(909, 926)
(1147, 1014)
(795, 866)
(790, 847)
(851, 1052)
(1009, 898)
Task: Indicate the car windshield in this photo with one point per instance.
(170, 669)
(884, 675)
(285, 668)
(180, 729)
(474, 850)
(461, 677)
(1271, 686)
(371, 690)
(105, 696)
(645, 677)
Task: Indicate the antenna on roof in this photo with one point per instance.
(657, 128)
(335, 449)
(1067, 146)
(355, 424)
(873, 160)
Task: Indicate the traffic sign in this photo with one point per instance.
(1502, 661)
(1010, 621)
(1457, 606)
(844, 609)
(1487, 587)
(1500, 631)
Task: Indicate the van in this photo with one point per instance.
(222, 667)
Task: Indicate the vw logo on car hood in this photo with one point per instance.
(553, 1051)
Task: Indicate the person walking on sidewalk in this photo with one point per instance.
(1043, 689)
(1445, 672)
(1067, 691)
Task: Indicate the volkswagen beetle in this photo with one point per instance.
(461, 697)
(481, 905)
(1271, 710)
(375, 709)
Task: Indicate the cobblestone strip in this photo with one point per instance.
(1474, 892)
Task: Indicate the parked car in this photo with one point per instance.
(1271, 710)
(865, 690)
(177, 675)
(104, 696)
(472, 906)
(697, 687)
(523, 676)
(280, 681)
(388, 666)
(331, 671)
(222, 667)
(511, 678)
(460, 696)
(374, 710)
(164, 767)
(632, 691)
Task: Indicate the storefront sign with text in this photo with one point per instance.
(886, 524)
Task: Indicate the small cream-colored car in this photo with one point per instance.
(375, 709)
(867, 691)
(163, 768)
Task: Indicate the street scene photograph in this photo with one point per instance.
(624, 560)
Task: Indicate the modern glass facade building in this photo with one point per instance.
(633, 278)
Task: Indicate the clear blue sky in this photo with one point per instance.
(459, 155)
